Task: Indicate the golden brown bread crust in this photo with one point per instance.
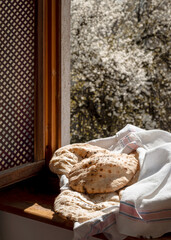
(82, 207)
(99, 177)
(103, 173)
(66, 157)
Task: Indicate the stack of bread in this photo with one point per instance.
(97, 178)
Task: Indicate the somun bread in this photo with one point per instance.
(66, 157)
(97, 178)
(103, 173)
(81, 207)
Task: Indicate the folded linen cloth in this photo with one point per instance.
(145, 207)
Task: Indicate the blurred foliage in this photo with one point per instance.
(120, 66)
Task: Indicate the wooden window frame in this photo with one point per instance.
(52, 88)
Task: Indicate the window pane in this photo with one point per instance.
(17, 27)
(120, 66)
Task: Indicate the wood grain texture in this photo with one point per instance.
(22, 172)
(34, 199)
(56, 75)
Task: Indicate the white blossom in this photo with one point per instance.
(120, 62)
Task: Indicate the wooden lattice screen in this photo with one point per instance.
(17, 74)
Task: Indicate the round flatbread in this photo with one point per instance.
(103, 173)
(79, 207)
(66, 157)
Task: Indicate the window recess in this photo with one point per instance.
(56, 74)
(34, 84)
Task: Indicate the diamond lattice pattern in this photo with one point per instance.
(17, 44)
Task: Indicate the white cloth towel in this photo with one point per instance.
(145, 208)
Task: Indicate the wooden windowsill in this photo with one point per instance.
(34, 198)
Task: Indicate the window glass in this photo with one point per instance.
(120, 66)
